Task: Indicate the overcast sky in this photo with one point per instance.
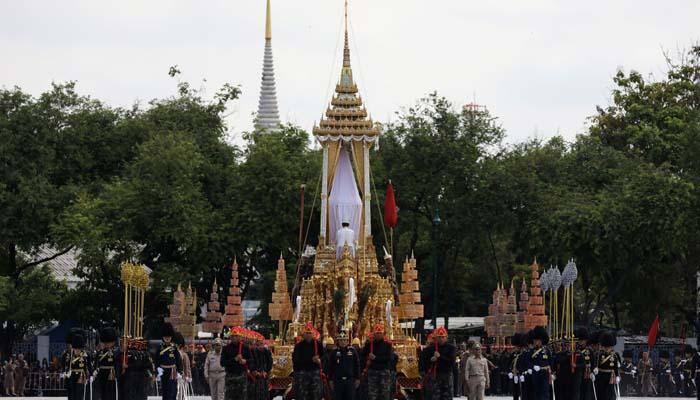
(540, 66)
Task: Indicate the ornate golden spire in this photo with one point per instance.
(268, 23)
(346, 116)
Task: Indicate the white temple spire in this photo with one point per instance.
(268, 114)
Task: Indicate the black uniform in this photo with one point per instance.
(79, 375)
(169, 366)
(442, 387)
(135, 377)
(378, 370)
(106, 379)
(343, 371)
(608, 371)
(236, 373)
(563, 386)
(540, 364)
(627, 375)
(307, 373)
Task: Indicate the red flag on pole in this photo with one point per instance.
(653, 332)
(391, 214)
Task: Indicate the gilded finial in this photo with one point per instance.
(346, 49)
(268, 23)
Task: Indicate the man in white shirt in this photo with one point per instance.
(345, 236)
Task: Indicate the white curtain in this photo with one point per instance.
(344, 201)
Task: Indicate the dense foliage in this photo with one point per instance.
(163, 185)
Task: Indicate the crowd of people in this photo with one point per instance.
(587, 369)
(531, 368)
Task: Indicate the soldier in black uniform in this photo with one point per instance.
(106, 365)
(234, 359)
(581, 365)
(590, 383)
(377, 353)
(540, 364)
(136, 370)
(80, 374)
(687, 376)
(65, 359)
(516, 363)
(664, 376)
(627, 373)
(563, 384)
(608, 368)
(695, 367)
(169, 363)
(344, 369)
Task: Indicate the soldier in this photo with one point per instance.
(234, 359)
(214, 372)
(377, 353)
(514, 372)
(307, 362)
(136, 370)
(80, 375)
(687, 376)
(646, 370)
(169, 363)
(106, 364)
(608, 368)
(663, 374)
(65, 359)
(563, 374)
(695, 367)
(628, 372)
(581, 365)
(344, 369)
(540, 363)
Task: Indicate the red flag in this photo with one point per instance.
(391, 213)
(653, 332)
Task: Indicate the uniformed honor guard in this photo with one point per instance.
(695, 367)
(540, 364)
(377, 357)
(627, 373)
(65, 360)
(442, 360)
(105, 387)
(169, 363)
(664, 376)
(608, 368)
(344, 369)
(645, 370)
(425, 367)
(306, 362)
(514, 371)
(136, 370)
(687, 375)
(580, 379)
(80, 375)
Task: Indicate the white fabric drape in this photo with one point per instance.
(344, 201)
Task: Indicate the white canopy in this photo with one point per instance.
(344, 202)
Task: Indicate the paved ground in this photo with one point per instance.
(459, 398)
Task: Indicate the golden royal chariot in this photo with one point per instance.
(343, 286)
